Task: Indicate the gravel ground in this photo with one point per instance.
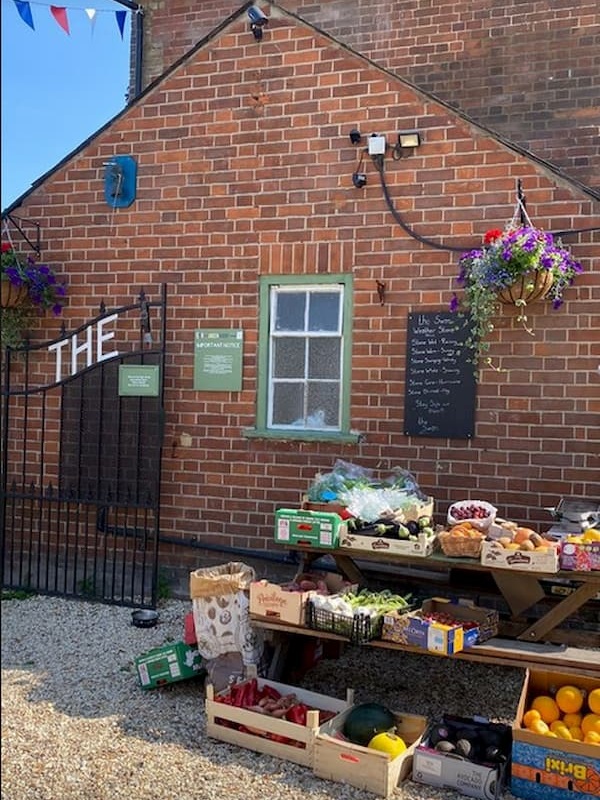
(76, 726)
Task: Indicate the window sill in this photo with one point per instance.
(350, 437)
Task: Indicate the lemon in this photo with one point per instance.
(591, 535)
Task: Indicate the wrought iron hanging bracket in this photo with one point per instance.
(17, 222)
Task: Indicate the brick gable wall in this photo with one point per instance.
(244, 168)
(529, 70)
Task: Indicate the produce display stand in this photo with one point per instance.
(527, 644)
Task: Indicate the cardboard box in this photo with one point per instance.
(480, 779)
(548, 768)
(263, 733)
(494, 556)
(582, 557)
(271, 601)
(336, 759)
(421, 546)
(413, 629)
(332, 507)
(315, 528)
(168, 664)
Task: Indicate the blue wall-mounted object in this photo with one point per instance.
(120, 179)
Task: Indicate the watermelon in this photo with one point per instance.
(365, 721)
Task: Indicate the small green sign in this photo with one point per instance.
(138, 380)
(218, 360)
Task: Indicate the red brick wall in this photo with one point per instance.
(244, 168)
(529, 69)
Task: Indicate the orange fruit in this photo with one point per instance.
(572, 720)
(591, 722)
(594, 700)
(531, 716)
(569, 699)
(592, 738)
(576, 733)
(522, 535)
(548, 709)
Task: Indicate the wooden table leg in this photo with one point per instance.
(521, 591)
(560, 612)
(348, 568)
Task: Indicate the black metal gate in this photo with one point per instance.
(81, 432)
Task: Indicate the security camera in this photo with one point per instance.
(359, 179)
(257, 17)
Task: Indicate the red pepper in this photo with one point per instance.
(223, 698)
(297, 713)
(270, 692)
(326, 715)
(237, 694)
(251, 695)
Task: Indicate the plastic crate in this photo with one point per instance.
(358, 628)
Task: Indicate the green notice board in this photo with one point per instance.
(218, 360)
(138, 380)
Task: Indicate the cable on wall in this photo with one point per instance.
(378, 162)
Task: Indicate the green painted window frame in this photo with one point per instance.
(345, 434)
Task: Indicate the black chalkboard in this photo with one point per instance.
(439, 395)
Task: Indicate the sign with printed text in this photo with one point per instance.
(138, 380)
(218, 357)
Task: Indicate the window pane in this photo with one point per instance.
(289, 312)
(289, 357)
(288, 404)
(323, 405)
(324, 358)
(324, 311)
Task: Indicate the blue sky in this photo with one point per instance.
(57, 89)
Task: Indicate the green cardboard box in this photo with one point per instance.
(315, 528)
(168, 664)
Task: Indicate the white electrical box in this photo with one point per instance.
(376, 145)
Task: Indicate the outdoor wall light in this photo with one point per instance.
(359, 179)
(409, 139)
(406, 141)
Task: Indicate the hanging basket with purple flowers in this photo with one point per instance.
(518, 265)
(27, 289)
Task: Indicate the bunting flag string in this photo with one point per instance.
(60, 14)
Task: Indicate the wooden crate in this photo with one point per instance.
(300, 753)
(338, 760)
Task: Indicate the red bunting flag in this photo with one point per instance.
(60, 15)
